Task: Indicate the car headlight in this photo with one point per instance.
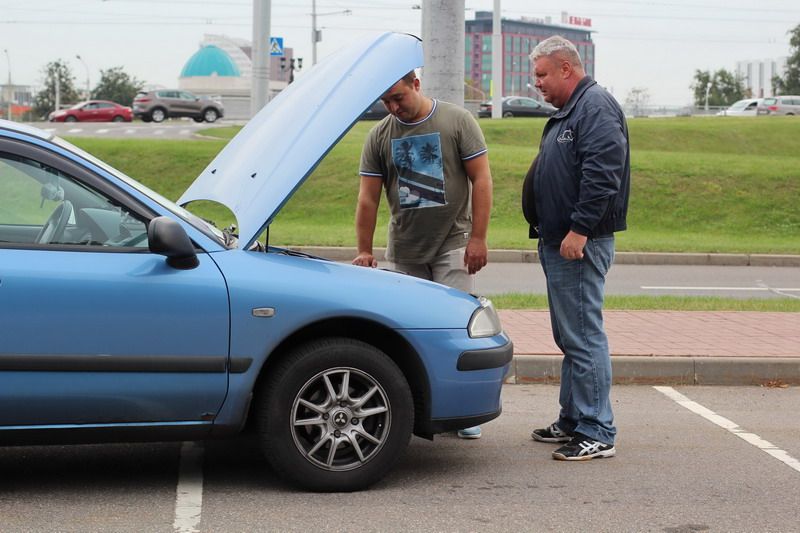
(484, 321)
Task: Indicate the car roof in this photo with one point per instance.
(17, 127)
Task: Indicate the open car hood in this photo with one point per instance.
(266, 162)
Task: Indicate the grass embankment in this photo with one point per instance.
(660, 303)
(720, 184)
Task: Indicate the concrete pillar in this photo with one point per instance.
(443, 49)
(259, 90)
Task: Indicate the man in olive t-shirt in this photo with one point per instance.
(431, 158)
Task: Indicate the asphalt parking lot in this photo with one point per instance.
(689, 459)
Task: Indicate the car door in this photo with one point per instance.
(191, 104)
(95, 328)
(105, 112)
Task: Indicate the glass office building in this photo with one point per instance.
(519, 38)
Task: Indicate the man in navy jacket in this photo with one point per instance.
(575, 198)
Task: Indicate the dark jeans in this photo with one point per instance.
(575, 295)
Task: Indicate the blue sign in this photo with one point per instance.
(276, 46)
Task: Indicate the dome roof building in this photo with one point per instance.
(222, 68)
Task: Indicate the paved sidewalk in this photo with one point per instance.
(690, 347)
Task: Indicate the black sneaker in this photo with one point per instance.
(551, 433)
(583, 448)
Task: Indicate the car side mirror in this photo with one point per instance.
(167, 237)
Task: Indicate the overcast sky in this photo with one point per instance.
(654, 44)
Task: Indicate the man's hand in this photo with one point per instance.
(572, 246)
(476, 255)
(365, 259)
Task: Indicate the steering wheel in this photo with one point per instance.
(56, 223)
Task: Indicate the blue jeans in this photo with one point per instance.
(575, 296)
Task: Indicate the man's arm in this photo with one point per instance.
(369, 197)
(480, 175)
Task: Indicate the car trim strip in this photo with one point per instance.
(118, 363)
(485, 359)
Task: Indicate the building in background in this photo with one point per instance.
(222, 69)
(15, 101)
(757, 75)
(519, 37)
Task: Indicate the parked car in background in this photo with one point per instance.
(376, 111)
(519, 106)
(93, 111)
(780, 105)
(126, 317)
(159, 105)
(742, 108)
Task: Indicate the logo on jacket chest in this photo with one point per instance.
(565, 136)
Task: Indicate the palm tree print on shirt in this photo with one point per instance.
(420, 177)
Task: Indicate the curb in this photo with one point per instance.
(347, 253)
(663, 370)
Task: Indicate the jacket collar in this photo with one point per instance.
(581, 88)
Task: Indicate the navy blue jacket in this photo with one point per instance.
(580, 180)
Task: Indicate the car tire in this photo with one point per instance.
(302, 411)
(197, 119)
(146, 118)
(118, 118)
(508, 114)
(158, 114)
(70, 118)
(210, 115)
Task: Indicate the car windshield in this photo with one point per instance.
(79, 105)
(206, 227)
(770, 101)
(741, 104)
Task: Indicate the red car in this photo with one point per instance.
(93, 111)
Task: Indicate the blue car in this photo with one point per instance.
(123, 316)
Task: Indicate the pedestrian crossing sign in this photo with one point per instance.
(276, 46)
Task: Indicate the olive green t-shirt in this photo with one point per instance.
(427, 188)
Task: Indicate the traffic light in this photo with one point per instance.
(283, 63)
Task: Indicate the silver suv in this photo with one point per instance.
(780, 105)
(169, 103)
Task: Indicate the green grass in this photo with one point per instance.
(659, 303)
(718, 184)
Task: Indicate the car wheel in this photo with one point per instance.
(197, 119)
(210, 115)
(145, 118)
(334, 415)
(508, 114)
(118, 118)
(70, 118)
(158, 115)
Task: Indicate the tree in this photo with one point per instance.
(726, 88)
(637, 100)
(117, 86)
(790, 82)
(45, 100)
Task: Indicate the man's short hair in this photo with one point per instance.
(559, 47)
(410, 77)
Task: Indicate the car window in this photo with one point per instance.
(90, 106)
(104, 105)
(770, 101)
(187, 96)
(528, 103)
(42, 205)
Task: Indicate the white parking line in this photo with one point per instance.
(102, 131)
(731, 426)
(130, 130)
(189, 501)
(75, 130)
(159, 132)
(184, 132)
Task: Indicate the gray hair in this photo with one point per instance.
(557, 46)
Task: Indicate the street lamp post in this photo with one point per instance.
(10, 88)
(708, 89)
(316, 35)
(88, 89)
